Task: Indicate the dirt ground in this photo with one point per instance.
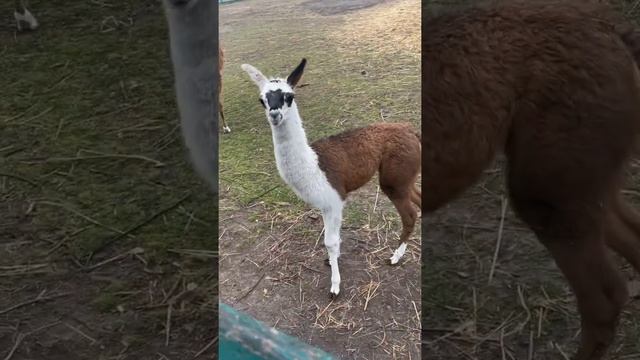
(339, 7)
(527, 310)
(271, 251)
(107, 237)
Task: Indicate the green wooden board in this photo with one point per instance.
(245, 338)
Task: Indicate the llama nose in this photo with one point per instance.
(274, 115)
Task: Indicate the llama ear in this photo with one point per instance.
(296, 74)
(254, 74)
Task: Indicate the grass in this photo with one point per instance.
(271, 250)
(101, 93)
(91, 149)
(338, 95)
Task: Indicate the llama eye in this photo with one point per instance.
(262, 102)
(288, 99)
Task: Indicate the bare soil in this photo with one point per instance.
(277, 273)
(272, 257)
(527, 311)
(339, 7)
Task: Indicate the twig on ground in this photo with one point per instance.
(19, 339)
(136, 250)
(21, 336)
(251, 289)
(18, 177)
(79, 332)
(564, 356)
(156, 163)
(205, 348)
(39, 298)
(505, 202)
(168, 325)
(138, 226)
(261, 195)
(78, 213)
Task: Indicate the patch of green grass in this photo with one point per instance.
(347, 87)
(80, 90)
(109, 298)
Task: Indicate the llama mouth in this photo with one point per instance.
(275, 122)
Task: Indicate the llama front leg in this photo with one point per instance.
(24, 17)
(332, 222)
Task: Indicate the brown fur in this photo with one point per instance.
(555, 87)
(351, 158)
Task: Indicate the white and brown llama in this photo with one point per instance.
(324, 172)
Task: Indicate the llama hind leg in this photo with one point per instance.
(574, 229)
(225, 128)
(402, 200)
(623, 234)
(623, 239)
(416, 196)
(600, 292)
(332, 223)
(578, 247)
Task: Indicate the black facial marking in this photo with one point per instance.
(288, 98)
(262, 103)
(274, 80)
(276, 99)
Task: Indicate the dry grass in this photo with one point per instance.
(104, 226)
(491, 290)
(382, 29)
(271, 249)
(267, 269)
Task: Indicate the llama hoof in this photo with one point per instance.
(226, 129)
(333, 294)
(398, 254)
(25, 21)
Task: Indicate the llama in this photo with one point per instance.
(555, 87)
(323, 173)
(194, 51)
(24, 18)
(225, 127)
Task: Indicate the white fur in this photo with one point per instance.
(26, 17)
(194, 54)
(298, 166)
(397, 255)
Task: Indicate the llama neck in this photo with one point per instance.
(298, 163)
(291, 133)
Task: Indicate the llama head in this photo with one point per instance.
(276, 95)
